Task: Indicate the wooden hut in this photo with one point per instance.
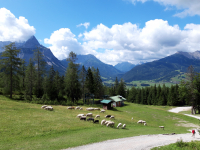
(107, 104)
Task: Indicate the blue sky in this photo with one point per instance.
(112, 30)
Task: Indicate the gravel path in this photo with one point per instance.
(143, 142)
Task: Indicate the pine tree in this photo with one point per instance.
(98, 84)
(40, 71)
(10, 66)
(51, 88)
(29, 80)
(72, 85)
(122, 88)
(90, 85)
(83, 74)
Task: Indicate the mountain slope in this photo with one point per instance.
(124, 66)
(91, 61)
(163, 69)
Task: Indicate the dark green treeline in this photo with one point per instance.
(156, 95)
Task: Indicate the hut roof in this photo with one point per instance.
(106, 101)
(117, 98)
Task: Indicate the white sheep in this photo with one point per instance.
(103, 121)
(96, 108)
(140, 121)
(44, 106)
(70, 107)
(120, 124)
(77, 108)
(143, 121)
(79, 115)
(145, 124)
(97, 116)
(102, 111)
(89, 109)
(110, 124)
(112, 117)
(132, 118)
(89, 114)
(124, 125)
(81, 108)
(48, 108)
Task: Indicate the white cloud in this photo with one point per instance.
(62, 42)
(86, 25)
(128, 42)
(14, 29)
(187, 7)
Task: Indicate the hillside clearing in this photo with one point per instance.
(27, 126)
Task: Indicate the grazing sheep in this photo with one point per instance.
(97, 116)
(48, 108)
(96, 121)
(80, 115)
(89, 119)
(89, 114)
(140, 121)
(162, 127)
(124, 125)
(77, 108)
(119, 125)
(96, 108)
(145, 124)
(108, 116)
(70, 107)
(103, 121)
(89, 109)
(112, 117)
(83, 118)
(143, 121)
(132, 118)
(81, 108)
(44, 106)
(102, 111)
(110, 124)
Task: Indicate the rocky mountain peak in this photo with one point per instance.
(32, 42)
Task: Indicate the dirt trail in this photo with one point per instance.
(143, 142)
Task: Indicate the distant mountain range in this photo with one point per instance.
(162, 69)
(165, 68)
(87, 60)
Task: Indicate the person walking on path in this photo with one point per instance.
(193, 133)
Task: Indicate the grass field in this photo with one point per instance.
(27, 126)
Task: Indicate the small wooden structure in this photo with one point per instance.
(118, 100)
(107, 104)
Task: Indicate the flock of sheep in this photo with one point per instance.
(103, 122)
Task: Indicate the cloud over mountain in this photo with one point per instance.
(14, 29)
(62, 42)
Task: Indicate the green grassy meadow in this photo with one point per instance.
(27, 126)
